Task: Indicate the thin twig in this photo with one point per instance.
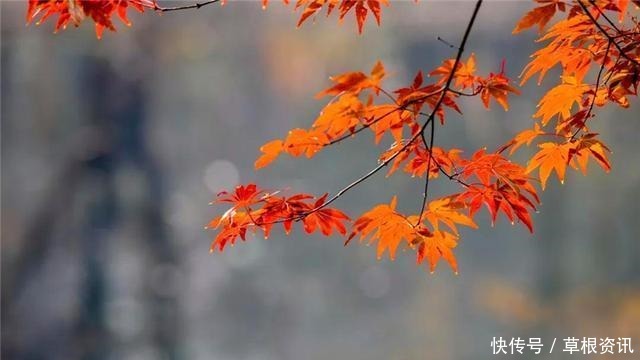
(426, 181)
(185, 7)
(369, 174)
(476, 92)
(447, 43)
(383, 116)
(352, 184)
(453, 176)
(627, 33)
(613, 25)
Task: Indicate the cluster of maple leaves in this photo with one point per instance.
(585, 38)
(585, 43)
(487, 179)
(101, 12)
(75, 11)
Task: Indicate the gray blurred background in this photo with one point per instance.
(112, 150)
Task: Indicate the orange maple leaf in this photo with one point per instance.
(551, 157)
(539, 16)
(355, 82)
(440, 159)
(501, 197)
(522, 138)
(567, 47)
(75, 11)
(589, 147)
(307, 142)
(325, 219)
(234, 225)
(388, 118)
(340, 116)
(385, 225)
(361, 9)
(435, 246)
(447, 211)
(270, 152)
(561, 99)
(497, 86)
(464, 75)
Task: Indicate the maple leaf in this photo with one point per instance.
(538, 16)
(235, 224)
(391, 230)
(575, 121)
(385, 225)
(270, 152)
(414, 97)
(464, 76)
(500, 197)
(75, 11)
(486, 167)
(503, 186)
(356, 82)
(624, 80)
(400, 158)
(415, 158)
(254, 209)
(388, 118)
(523, 137)
(589, 147)
(326, 219)
(283, 210)
(435, 246)
(498, 87)
(415, 92)
(561, 50)
(242, 196)
(561, 99)
(622, 8)
(441, 158)
(447, 211)
(307, 142)
(551, 157)
(340, 116)
(361, 9)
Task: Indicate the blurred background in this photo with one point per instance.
(112, 150)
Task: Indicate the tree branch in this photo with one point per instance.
(426, 181)
(613, 25)
(595, 92)
(447, 86)
(430, 121)
(605, 33)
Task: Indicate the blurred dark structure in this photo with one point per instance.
(113, 138)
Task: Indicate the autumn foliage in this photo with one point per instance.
(594, 44)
